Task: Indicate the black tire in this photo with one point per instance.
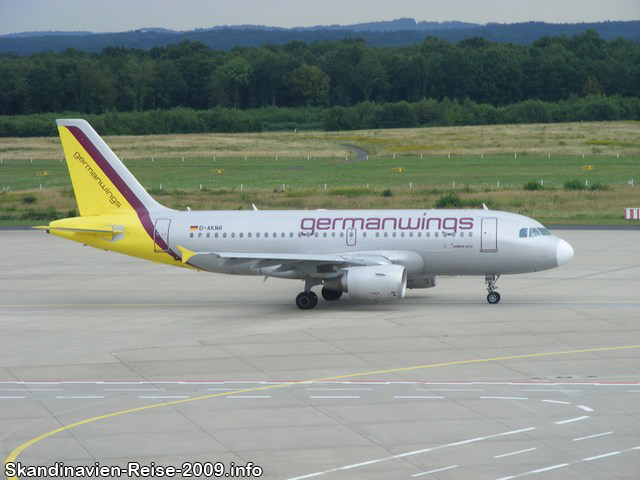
(493, 297)
(306, 300)
(331, 295)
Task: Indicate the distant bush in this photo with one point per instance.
(598, 186)
(531, 186)
(387, 193)
(449, 200)
(29, 199)
(574, 185)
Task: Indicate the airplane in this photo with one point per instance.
(369, 254)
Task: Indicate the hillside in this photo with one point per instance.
(392, 33)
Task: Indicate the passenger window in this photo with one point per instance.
(191, 235)
(208, 234)
(216, 235)
(241, 235)
(199, 235)
(324, 234)
(533, 232)
(523, 232)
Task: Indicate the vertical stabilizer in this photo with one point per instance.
(101, 183)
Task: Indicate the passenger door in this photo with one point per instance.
(489, 237)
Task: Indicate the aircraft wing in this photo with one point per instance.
(290, 258)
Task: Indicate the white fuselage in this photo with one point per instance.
(426, 242)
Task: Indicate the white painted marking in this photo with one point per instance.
(585, 408)
(408, 454)
(546, 469)
(83, 397)
(570, 420)
(477, 439)
(163, 396)
(221, 389)
(133, 389)
(11, 398)
(334, 396)
(633, 391)
(434, 471)
(504, 398)
(557, 401)
(549, 390)
(338, 389)
(12, 389)
(46, 389)
(416, 396)
(248, 396)
(363, 464)
(604, 455)
(592, 436)
(516, 453)
(40, 383)
(453, 389)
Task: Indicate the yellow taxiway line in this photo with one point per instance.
(18, 450)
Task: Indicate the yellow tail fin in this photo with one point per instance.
(101, 183)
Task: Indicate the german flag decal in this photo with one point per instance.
(193, 227)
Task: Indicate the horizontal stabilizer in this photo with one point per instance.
(109, 230)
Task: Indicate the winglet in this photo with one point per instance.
(484, 207)
(255, 209)
(186, 254)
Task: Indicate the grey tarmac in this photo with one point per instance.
(236, 373)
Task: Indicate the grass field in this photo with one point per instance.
(479, 164)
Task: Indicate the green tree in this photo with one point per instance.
(308, 85)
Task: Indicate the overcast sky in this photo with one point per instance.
(122, 15)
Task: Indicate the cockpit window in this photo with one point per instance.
(533, 232)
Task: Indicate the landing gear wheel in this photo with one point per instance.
(306, 300)
(493, 297)
(331, 295)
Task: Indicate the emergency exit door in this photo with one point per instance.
(161, 235)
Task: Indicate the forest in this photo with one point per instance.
(327, 84)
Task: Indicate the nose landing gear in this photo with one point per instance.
(493, 296)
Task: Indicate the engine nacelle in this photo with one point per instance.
(422, 281)
(376, 283)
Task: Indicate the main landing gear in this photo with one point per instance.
(308, 300)
(490, 280)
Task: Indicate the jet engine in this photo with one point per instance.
(376, 283)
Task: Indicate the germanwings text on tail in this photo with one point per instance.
(369, 254)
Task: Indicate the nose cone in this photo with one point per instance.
(564, 252)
